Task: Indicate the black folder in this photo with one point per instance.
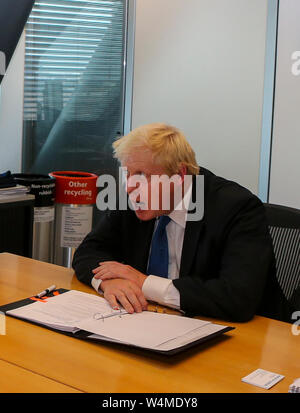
(85, 335)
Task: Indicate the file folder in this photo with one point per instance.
(122, 329)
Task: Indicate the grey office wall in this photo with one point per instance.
(199, 64)
(11, 111)
(285, 164)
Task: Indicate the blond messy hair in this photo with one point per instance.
(168, 145)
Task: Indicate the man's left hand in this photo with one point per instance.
(109, 270)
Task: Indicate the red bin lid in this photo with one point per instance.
(74, 187)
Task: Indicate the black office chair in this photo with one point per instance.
(284, 226)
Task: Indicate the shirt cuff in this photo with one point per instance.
(162, 291)
(96, 284)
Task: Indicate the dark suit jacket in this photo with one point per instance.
(227, 267)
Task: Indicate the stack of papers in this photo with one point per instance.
(75, 311)
(10, 194)
(295, 387)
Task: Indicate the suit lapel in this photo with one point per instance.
(192, 233)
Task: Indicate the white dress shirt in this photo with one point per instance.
(159, 289)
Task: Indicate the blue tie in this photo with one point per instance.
(159, 256)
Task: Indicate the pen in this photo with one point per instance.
(47, 291)
(155, 308)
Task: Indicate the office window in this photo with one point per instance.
(74, 85)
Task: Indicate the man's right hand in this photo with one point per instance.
(126, 293)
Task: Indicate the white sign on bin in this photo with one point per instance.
(44, 214)
(76, 224)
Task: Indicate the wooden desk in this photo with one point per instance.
(14, 379)
(217, 366)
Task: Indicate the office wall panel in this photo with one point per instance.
(285, 164)
(11, 112)
(199, 64)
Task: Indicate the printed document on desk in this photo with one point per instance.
(65, 311)
(75, 311)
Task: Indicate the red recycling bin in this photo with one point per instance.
(75, 198)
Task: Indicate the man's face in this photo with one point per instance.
(143, 189)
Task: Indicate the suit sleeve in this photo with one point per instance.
(101, 244)
(235, 292)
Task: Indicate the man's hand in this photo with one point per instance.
(109, 270)
(125, 292)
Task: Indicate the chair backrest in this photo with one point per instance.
(284, 226)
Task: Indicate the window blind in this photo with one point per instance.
(72, 47)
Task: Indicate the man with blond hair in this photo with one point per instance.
(220, 265)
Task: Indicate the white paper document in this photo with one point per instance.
(144, 329)
(64, 311)
(197, 334)
(74, 310)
